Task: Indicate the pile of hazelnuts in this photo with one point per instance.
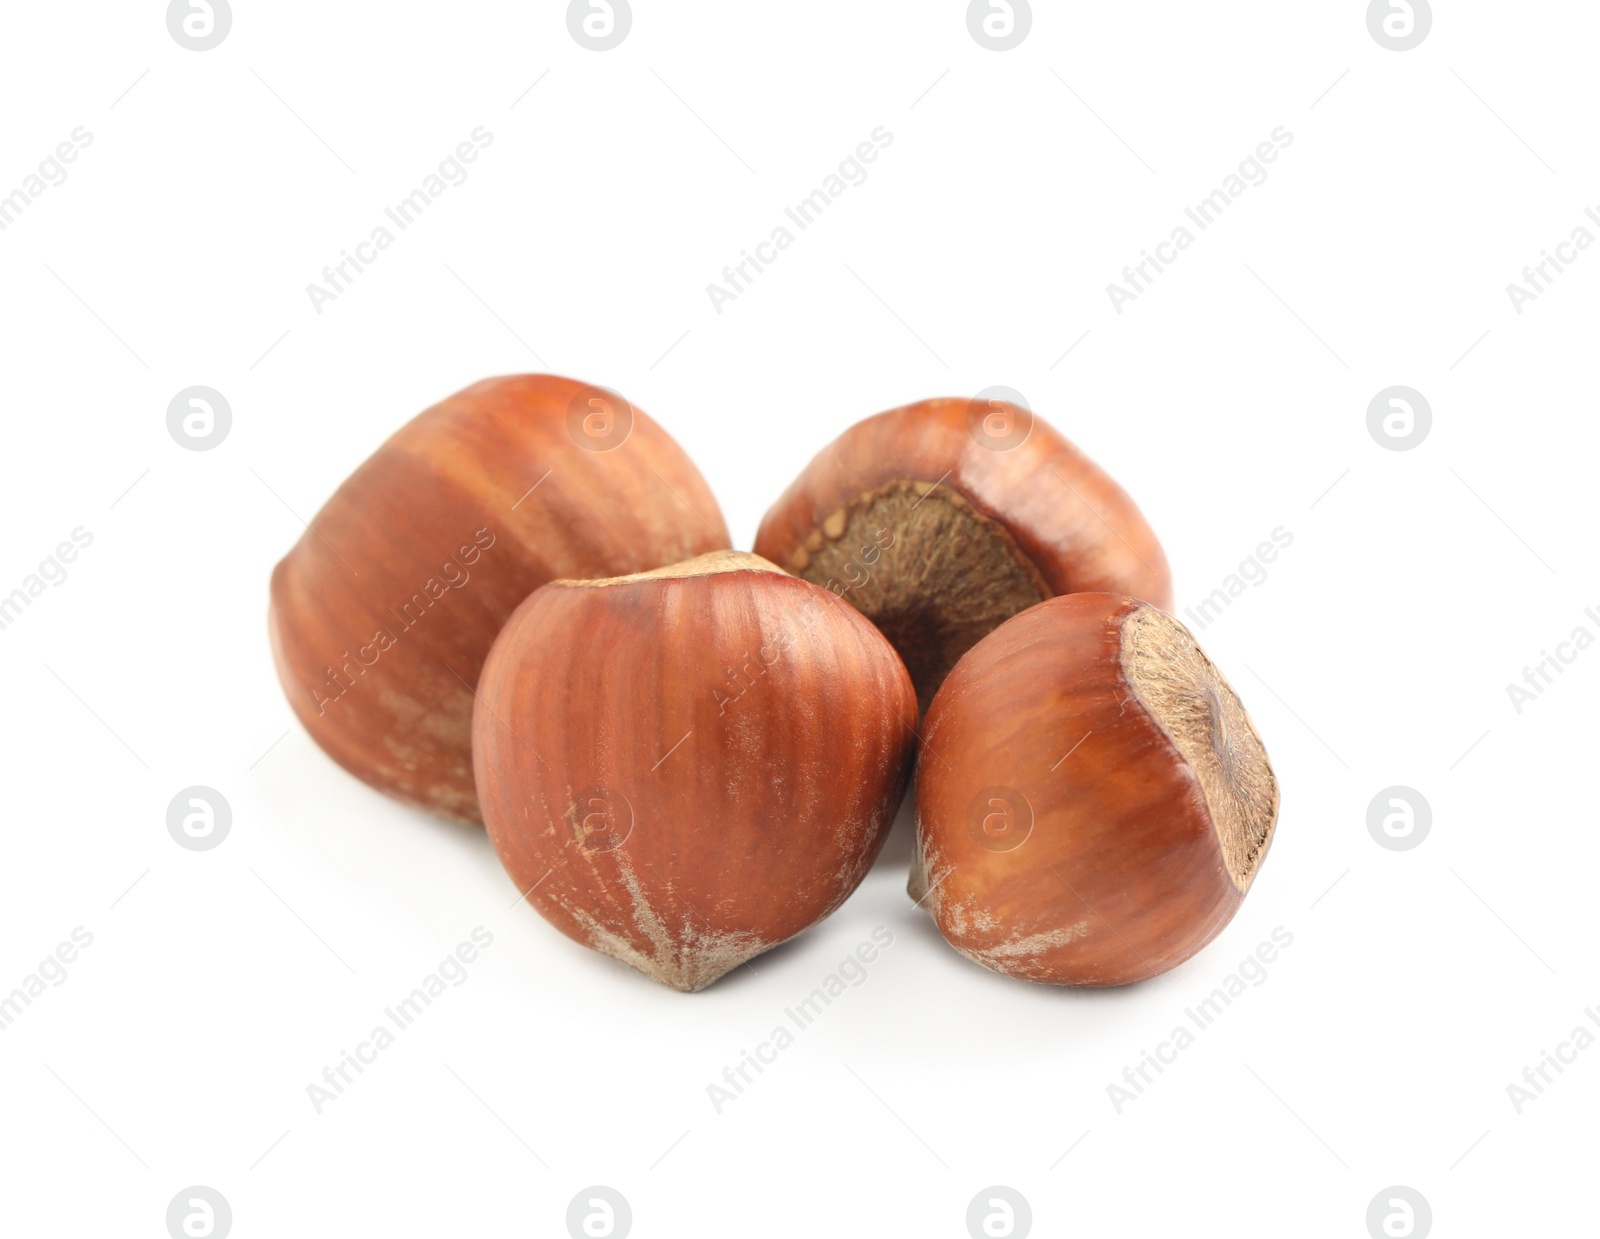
(523, 612)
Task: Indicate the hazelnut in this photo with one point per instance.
(941, 520)
(1093, 802)
(683, 768)
(383, 612)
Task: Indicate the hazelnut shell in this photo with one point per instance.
(1093, 802)
(383, 612)
(941, 520)
(684, 768)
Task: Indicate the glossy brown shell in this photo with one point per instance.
(685, 771)
(383, 612)
(1078, 527)
(1116, 872)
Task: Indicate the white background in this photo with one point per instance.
(1229, 399)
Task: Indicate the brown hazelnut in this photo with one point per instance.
(941, 520)
(384, 610)
(683, 768)
(1093, 802)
